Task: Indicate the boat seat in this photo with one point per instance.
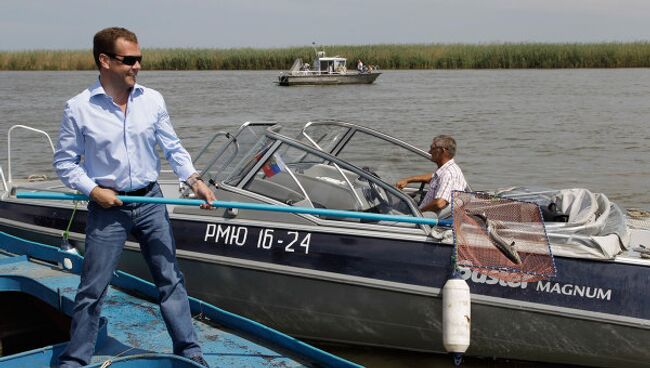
(322, 191)
(274, 190)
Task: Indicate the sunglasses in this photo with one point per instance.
(126, 59)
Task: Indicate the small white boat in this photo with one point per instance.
(325, 70)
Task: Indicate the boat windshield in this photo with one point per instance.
(227, 158)
(387, 157)
(292, 175)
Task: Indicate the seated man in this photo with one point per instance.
(447, 178)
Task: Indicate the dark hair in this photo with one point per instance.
(104, 40)
(447, 142)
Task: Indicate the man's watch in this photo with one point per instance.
(193, 180)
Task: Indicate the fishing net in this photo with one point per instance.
(500, 237)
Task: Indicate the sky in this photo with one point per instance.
(71, 24)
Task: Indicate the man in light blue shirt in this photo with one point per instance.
(107, 147)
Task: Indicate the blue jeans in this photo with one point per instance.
(106, 232)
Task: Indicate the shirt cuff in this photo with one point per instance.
(185, 171)
(86, 185)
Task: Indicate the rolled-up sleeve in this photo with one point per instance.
(67, 157)
(179, 159)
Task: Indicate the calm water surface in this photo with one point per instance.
(552, 128)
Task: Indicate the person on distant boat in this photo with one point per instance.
(447, 178)
(107, 147)
(359, 66)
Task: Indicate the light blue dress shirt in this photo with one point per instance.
(100, 145)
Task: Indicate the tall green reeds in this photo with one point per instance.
(430, 56)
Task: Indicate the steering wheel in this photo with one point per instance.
(419, 194)
(375, 192)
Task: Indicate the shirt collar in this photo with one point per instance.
(96, 89)
(446, 165)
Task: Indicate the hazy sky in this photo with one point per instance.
(50, 24)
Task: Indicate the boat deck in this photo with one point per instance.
(132, 325)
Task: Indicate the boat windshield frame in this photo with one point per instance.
(232, 140)
(328, 158)
(353, 128)
(251, 162)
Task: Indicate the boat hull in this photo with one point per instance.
(327, 79)
(353, 289)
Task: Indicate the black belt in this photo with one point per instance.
(139, 192)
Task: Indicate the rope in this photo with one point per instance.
(66, 233)
(109, 361)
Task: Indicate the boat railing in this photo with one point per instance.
(317, 72)
(9, 175)
(230, 138)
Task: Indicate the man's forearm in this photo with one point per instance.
(424, 178)
(435, 205)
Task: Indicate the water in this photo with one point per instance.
(552, 128)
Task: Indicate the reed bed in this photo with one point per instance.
(416, 56)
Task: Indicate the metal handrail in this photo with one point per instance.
(205, 148)
(9, 145)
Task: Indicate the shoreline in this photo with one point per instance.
(386, 56)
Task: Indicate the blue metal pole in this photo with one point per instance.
(246, 206)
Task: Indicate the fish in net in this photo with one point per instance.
(501, 237)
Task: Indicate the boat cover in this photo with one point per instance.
(579, 223)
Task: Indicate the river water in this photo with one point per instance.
(553, 128)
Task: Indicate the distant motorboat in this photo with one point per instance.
(325, 70)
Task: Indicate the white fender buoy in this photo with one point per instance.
(456, 317)
(67, 248)
(67, 263)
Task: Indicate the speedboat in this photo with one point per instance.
(325, 70)
(378, 282)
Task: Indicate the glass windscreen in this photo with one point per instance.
(231, 157)
(296, 177)
(324, 136)
(388, 160)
